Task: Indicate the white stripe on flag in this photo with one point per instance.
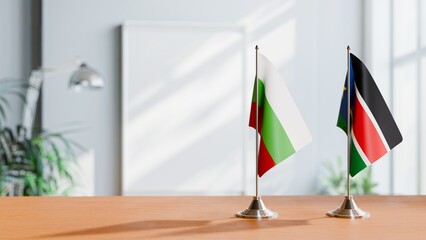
(358, 148)
(283, 104)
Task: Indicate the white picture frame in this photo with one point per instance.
(168, 149)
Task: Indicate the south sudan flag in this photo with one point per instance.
(373, 129)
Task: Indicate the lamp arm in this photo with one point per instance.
(31, 99)
(33, 93)
(84, 76)
(56, 70)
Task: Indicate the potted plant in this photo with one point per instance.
(333, 180)
(33, 166)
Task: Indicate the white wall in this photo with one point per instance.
(386, 33)
(306, 39)
(15, 47)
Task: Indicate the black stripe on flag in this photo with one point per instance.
(374, 100)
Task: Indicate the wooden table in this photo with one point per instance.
(392, 217)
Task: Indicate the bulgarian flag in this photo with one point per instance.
(281, 126)
(373, 129)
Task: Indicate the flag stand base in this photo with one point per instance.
(257, 209)
(348, 209)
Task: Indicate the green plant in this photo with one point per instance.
(38, 166)
(335, 177)
(33, 166)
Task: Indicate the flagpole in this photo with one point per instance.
(348, 209)
(348, 192)
(257, 125)
(257, 208)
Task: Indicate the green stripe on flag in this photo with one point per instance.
(273, 134)
(357, 164)
(261, 92)
(341, 123)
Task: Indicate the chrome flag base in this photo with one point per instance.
(348, 209)
(257, 209)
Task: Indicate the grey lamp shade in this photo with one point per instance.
(87, 78)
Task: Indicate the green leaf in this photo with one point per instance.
(333, 180)
(2, 113)
(46, 162)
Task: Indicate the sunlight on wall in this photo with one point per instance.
(266, 13)
(213, 46)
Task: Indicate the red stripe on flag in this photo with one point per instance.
(265, 160)
(366, 134)
(252, 121)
